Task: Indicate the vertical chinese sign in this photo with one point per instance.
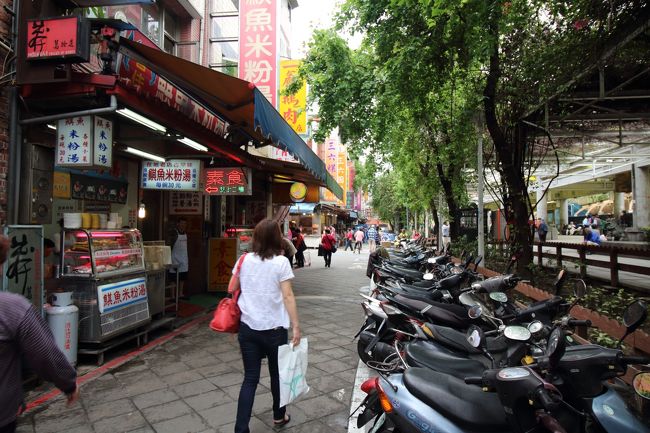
(330, 157)
(222, 255)
(73, 147)
(292, 107)
(342, 170)
(103, 143)
(22, 273)
(258, 45)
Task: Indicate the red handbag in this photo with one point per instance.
(227, 315)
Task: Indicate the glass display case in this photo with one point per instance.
(101, 253)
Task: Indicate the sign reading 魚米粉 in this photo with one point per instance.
(73, 147)
(103, 142)
(172, 175)
(228, 181)
(118, 295)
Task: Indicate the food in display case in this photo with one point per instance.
(102, 252)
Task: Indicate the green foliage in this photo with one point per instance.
(646, 233)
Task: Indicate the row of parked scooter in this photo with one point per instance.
(456, 353)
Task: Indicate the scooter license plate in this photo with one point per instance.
(371, 409)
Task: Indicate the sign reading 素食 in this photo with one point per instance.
(173, 175)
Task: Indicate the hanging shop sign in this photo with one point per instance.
(145, 82)
(64, 39)
(185, 203)
(84, 142)
(61, 186)
(103, 142)
(298, 192)
(22, 273)
(172, 175)
(114, 296)
(258, 36)
(228, 181)
(293, 107)
(98, 188)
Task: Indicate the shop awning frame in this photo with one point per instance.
(237, 101)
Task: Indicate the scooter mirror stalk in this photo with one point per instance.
(633, 316)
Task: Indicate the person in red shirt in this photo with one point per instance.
(348, 240)
(328, 242)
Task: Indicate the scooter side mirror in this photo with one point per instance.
(641, 384)
(475, 311)
(579, 289)
(517, 333)
(556, 346)
(476, 262)
(428, 276)
(559, 280)
(633, 316)
(499, 297)
(476, 337)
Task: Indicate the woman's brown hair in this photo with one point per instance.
(267, 239)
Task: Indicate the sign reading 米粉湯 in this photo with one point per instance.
(173, 175)
(118, 295)
(84, 142)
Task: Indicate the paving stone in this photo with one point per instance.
(337, 422)
(25, 426)
(171, 368)
(153, 398)
(332, 366)
(190, 423)
(227, 379)
(59, 423)
(208, 400)
(143, 430)
(204, 361)
(320, 406)
(230, 356)
(194, 388)
(122, 423)
(310, 427)
(182, 378)
(165, 411)
(110, 409)
(220, 415)
(214, 369)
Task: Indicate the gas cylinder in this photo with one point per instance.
(63, 319)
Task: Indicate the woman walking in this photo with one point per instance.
(299, 243)
(268, 308)
(328, 242)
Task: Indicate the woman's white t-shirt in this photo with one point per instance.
(260, 301)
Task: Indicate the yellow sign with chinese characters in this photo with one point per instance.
(222, 256)
(61, 187)
(293, 107)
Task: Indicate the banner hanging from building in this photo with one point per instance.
(258, 45)
(293, 107)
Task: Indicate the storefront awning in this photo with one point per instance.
(249, 114)
(86, 3)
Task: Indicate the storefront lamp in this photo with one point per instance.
(49, 125)
(193, 144)
(132, 115)
(142, 212)
(144, 154)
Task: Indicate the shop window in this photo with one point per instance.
(225, 27)
(225, 6)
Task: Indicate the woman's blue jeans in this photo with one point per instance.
(256, 345)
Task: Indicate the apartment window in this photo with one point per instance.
(225, 27)
(171, 33)
(225, 6)
(151, 22)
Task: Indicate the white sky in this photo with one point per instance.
(311, 15)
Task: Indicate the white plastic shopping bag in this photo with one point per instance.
(307, 256)
(292, 363)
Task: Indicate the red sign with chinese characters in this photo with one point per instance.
(57, 38)
(228, 181)
(258, 42)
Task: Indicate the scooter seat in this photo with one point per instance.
(435, 357)
(457, 340)
(419, 294)
(444, 314)
(467, 406)
(404, 272)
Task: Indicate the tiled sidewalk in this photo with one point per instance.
(191, 383)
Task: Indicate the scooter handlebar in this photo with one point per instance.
(575, 322)
(474, 380)
(544, 398)
(635, 360)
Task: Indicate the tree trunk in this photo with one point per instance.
(506, 147)
(446, 180)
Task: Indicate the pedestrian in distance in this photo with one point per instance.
(348, 240)
(24, 336)
(445, 234)
(177, 239)
(372, 239)
(587, 221)
(591, 237)
(268, 309)
(288, 250)
(358, 238)
(328, 243)
(542, 229)
(299, 243)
